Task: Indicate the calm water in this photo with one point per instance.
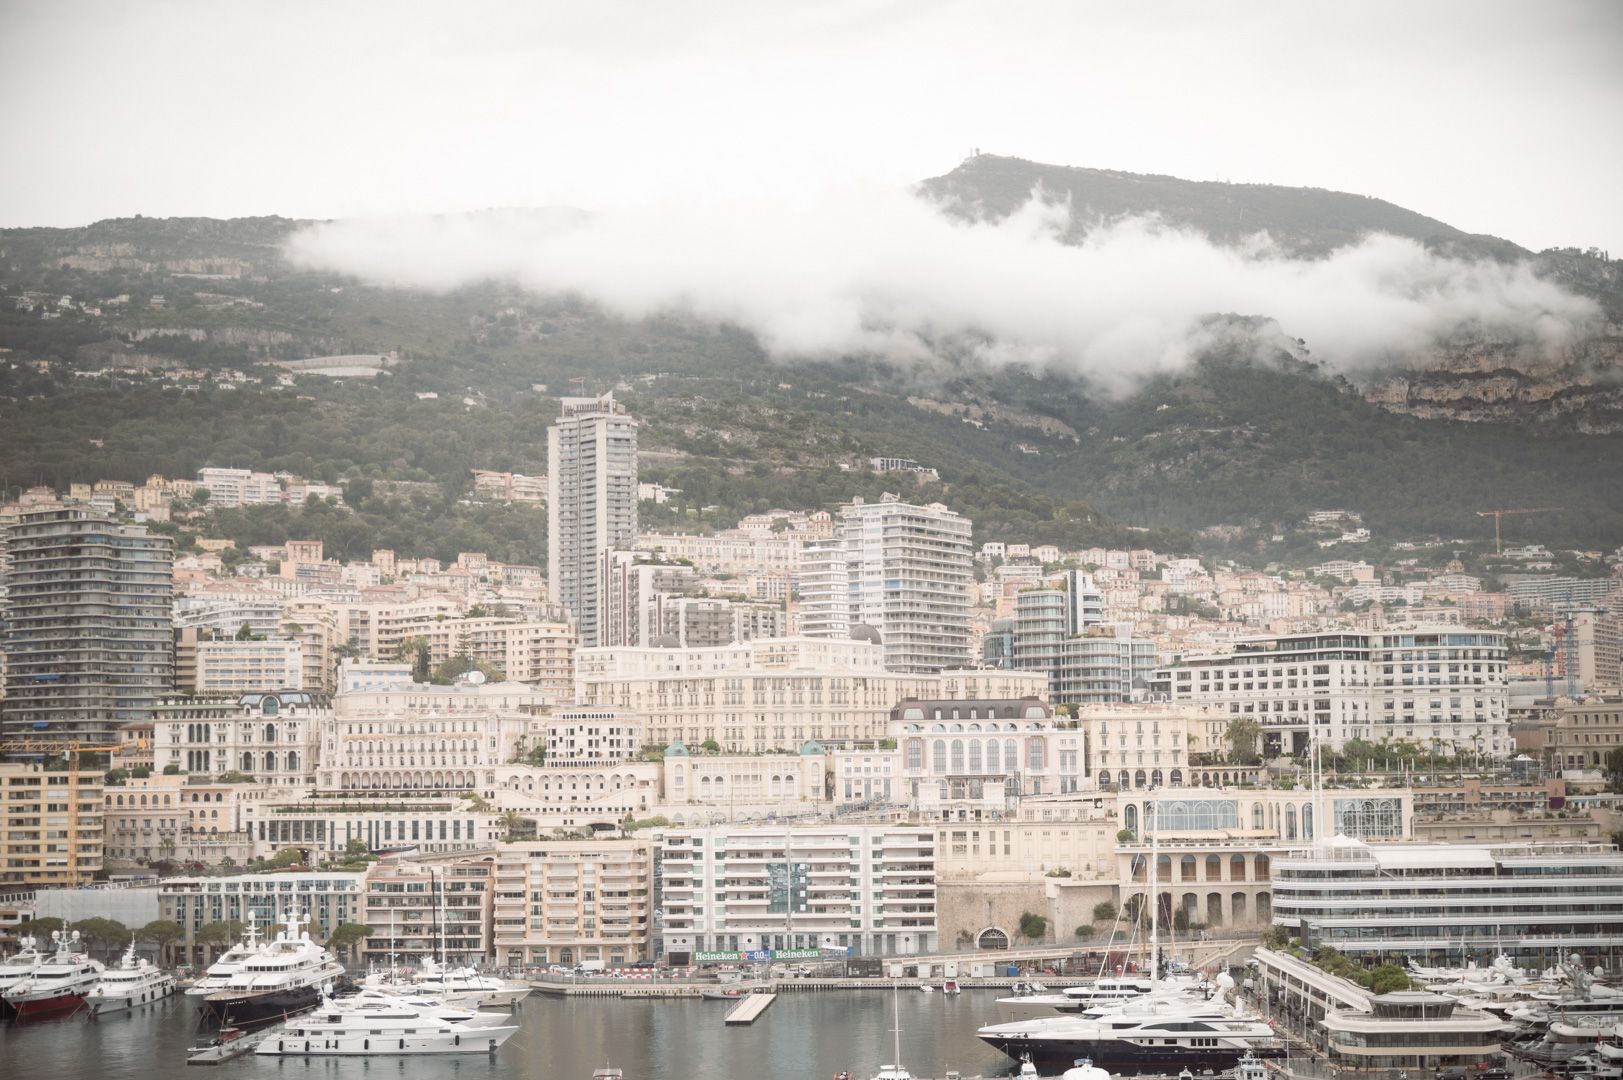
(806, 1036)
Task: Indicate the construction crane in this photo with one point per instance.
(72, 752)
(1498, 548)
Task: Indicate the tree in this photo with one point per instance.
(110, 934)
(1614, 770)
(710, 746)
(1084, 931)
(171, 769)
(348, 935)
(219, 933)
(1388, 978)
(40, 929)
(1104, 910)
(1033, 926)
(161, 932)
(1243, 733)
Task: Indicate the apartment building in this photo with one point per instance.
(51, 825)
(591, 503)
(436, 909)
(1583, 734)
(903, 570)
(157, 818)
(1440, 687)
(866, 888)
(244, 667)
(327, 897)
(568, 901)
(87, 640)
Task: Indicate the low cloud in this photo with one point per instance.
(885, 273)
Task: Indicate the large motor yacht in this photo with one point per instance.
(1075, 1000)
(377, 1023)
(1157, 1036)
(58, 984)
(284, 979)
(134, 982)
(218, 976)
(16, 967)
(455, 984)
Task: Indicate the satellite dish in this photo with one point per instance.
(476, 678)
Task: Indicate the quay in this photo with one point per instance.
(217, 1053)
(620, 989)
(751, 1007)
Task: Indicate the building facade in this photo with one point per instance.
(866, 888)
(271, 738)
(87, 642)
(568, 901)
(591, 503)
(51, 826)
(327, 897)
(904, 570)
(243, 667)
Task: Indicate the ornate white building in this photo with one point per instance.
(270, 737)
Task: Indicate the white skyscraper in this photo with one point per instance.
(904, 570)
(591, 503)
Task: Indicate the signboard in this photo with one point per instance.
(835, 950)
(711, 957)
(801, 954)
(761, 956)
(758, 956)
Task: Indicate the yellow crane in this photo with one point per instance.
(1498, 548)
(71, 751)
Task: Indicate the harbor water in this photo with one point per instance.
(802, 1036)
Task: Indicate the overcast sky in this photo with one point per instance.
(1501, 117)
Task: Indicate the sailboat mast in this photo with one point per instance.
(441, 882)
(1155, 900)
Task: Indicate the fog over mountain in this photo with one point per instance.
(869, 271)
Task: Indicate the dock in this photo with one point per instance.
(751, 1007)
(219, 1052)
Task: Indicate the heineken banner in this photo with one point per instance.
(758, 956)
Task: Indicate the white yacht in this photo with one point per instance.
(58, 984)
(1074, 1000)
(17, 966)
(218, 975)
(134, 982)
(456, 984)
(285, 978)
(1160, 1036)
(374, 1023)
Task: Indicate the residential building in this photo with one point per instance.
(904, 571)
(1439, 687)
(866, 888)
(156, 818)
(582, 736)
(87, 642)
(1583, 734)
(1536, 903)
(243, 667)
(568, 901)
(51, 826)
(324, 824)
(591, 504)
(327, 897)
(422, 909)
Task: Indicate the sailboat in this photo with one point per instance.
(895, 1071)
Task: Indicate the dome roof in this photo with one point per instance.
(813, 748)
(666, 641)
(676, 749)
(864, 632)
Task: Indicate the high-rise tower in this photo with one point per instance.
(591, 504)
(88, 638)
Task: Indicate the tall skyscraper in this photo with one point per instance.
(87, 639)
(591, 504)
(904, 570)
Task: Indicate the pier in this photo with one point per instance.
(751, 1007)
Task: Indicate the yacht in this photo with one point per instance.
(374, 1023)
(218, 975)
(134, 982)
(59, 984)
(1157, 1036)
(17, 966)
(283, 979)
(1074, 1000)
(463, 983)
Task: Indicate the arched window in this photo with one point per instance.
(1290, 822)
(1035, 753)
(974, 755)
(292, 761)
(270, 761)
(938, 756)
(1139, 778)
(247, 762)
(1256, 815)
(1177, 778)
(957, 755)
(270, 732)
(915, 754)
(1307, 822)
(1011, 756)
(1130, 817)
(1155, 778)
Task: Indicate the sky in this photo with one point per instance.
(1498, 117)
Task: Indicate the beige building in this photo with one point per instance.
(270, 737)
(1583, 734)
(51, 828)
(564, 902)
(428, 908)
(167, 818)
(227, 666)
(772, 693)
